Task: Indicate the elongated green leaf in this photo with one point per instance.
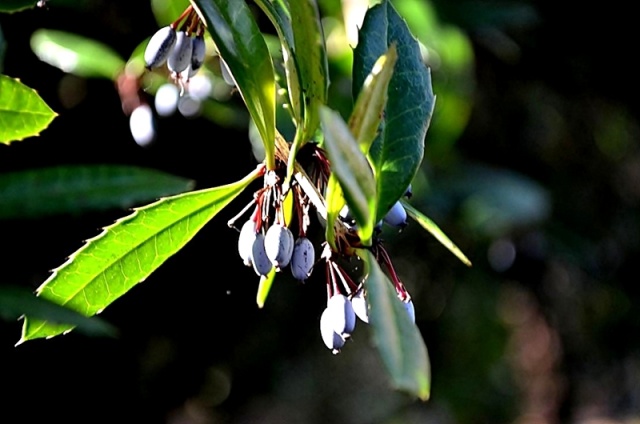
(75, 189)
(243, 48)
(397, 339)
(369, 108)
(23, 113)
(265, 287)
(127, 252)
(398, 151)
(18, 301)
(16, 5)
(352, 170)
(335, 202)
(311, 59)
(433, 228)
(280, 16)
(76, 54)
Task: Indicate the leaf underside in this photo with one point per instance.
(397, 339)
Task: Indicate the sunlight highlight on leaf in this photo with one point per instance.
(128, 251)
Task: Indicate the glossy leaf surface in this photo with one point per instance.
(23, 113)
(398, 151)
(244, 50)
(127, 252)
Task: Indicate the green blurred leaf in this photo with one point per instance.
(491, 201)
(23, 113)
(127, 252)
(397, 339)
(435, 231)
(16, 5)
(397, 153)
(76, 54)
(17, 301)
(353, 171)
(75, 189)
(167, 11)
(244, 50)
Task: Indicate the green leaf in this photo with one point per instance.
(397, 339)
(264, 287)
(243, 48)
(311, 58)
(23, 113)
(398, 151)
(75, 189)
(16, 5)
(369, 108)
(17, 301)
(167, 11)
(352, 170)
(127, 252)
(435, 231)
(280, 17)
(76, 54)
(335, 201)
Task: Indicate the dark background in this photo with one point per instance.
(542, 329)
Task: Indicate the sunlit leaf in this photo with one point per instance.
(75, 189)
(435, 231)
(398, 151)
(76, 54)
(266, 281)
(127, 252)
(23, 113)
(311, 58)
(352, 169)
(335, 201)
(18, 301)
(244, 50)
(367, 113)
(397, 339)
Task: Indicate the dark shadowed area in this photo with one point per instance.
(532, 167)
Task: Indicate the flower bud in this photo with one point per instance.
(411, 311)
(261, 263)
(180, 56)
(343, 318)
(245, 241)
(278, 243)
(397, 216)
(302, 259)
(360, 306)
(330, 338)
(199, 50)
(159, 47)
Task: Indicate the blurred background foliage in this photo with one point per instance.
(532, 167)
